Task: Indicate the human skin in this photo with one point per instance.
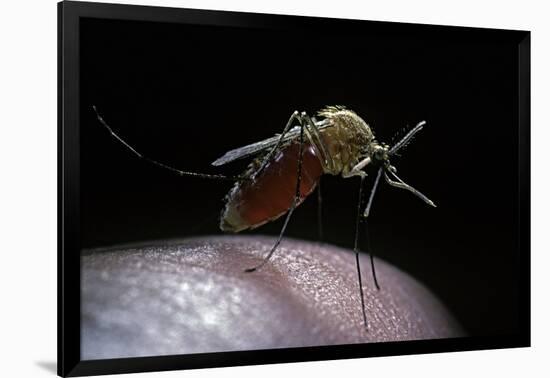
(193, 296)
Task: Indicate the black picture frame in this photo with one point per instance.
(70, 16)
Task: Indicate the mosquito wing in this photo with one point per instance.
(255, 148)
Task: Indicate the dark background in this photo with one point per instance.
(186, 94)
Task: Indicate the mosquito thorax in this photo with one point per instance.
(347, 140)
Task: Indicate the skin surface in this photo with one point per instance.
(193, 296)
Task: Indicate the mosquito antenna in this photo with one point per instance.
(407, 138)
(399, 134)
(371, 197)
(295, 203)
(402, 185)
(155, 162)
(365, 216)
(356, 250)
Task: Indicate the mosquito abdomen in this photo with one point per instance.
(253, 202)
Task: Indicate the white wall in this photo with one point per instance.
(28, 184)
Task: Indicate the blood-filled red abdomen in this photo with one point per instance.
(252, 203)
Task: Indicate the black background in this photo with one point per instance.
(186, 94)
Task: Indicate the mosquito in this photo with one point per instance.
(287, 168)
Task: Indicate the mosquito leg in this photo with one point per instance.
(402, 185)
(319, 211)
(356, 250)
(357, 169)
(371, 255)
(157, 163)
(295, 115)
(319, 143)
(292, 206)
(365, 216)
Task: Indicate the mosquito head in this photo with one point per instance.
(380, 155)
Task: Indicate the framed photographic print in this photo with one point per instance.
(242, 189)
